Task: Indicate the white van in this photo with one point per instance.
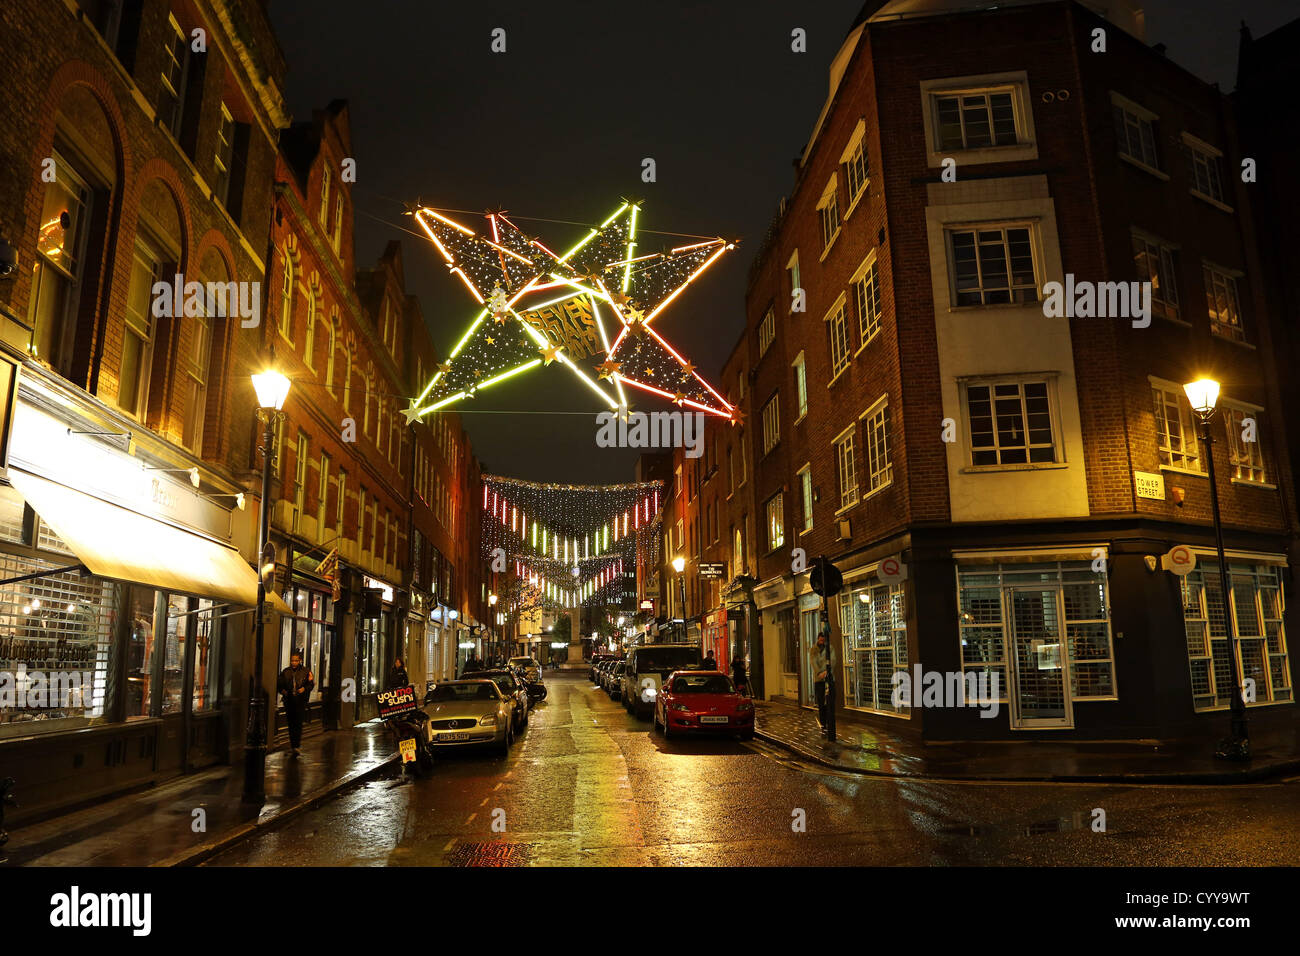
(647, 666)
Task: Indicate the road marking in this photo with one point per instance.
(471, 818)
(494, 790)
(450, 843)
(485, 800)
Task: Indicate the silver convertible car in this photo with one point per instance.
(467, 712)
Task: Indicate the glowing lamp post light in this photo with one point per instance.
(272, 389)
(1203, 396)
(679, 565)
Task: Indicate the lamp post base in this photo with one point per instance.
(255, 754)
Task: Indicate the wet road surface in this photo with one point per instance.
(587, 784)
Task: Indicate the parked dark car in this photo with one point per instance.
(614, 685)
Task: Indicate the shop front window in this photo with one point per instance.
(140, 651)
(207, 659)
(179, 623)
(55, 636)
(310, 632)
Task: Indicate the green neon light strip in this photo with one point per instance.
(631, 244)
(592, 235)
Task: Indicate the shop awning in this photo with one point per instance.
(115, 542)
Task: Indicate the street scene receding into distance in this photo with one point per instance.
(578, 435)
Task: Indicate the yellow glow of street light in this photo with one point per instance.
(679, 565)
(272, 388)
(1202, 395)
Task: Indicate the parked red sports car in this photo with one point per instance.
(703, 701)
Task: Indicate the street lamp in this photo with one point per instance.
(272, 389)
(1203, 395)
(679, 565)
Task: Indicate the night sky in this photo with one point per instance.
(556, 128)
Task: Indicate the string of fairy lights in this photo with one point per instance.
(569, 545)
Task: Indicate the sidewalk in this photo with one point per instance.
(155, 827)
(867, 750)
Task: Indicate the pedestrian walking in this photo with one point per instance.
(738, 675)
(397, 676)
(823, 661)
(710, 663)
(295, 686)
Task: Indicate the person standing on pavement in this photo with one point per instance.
(295, 686)
(738, 675)
(709, 663)
(823, 660)
(397, 676)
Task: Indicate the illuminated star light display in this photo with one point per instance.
(546, 531)
(590, 310)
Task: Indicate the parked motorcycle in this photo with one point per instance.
(536, 690)
(410, 727)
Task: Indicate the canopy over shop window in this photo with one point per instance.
(114, 542)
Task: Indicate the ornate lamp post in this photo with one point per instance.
(1203, 395)
(679, 565)
(272, 388)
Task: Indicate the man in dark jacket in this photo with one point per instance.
(709, 663)
(294, 687)
(397, 676)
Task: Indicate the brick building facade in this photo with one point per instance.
(912, 398)
(151, 147)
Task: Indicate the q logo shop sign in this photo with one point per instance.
(892, 571)
(1181, 560)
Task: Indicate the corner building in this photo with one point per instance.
(1023, 469)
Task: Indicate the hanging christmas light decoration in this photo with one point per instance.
(589, 310)
(566, 554)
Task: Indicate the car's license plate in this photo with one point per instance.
(408, 750)
(453, 737)
(714, 720)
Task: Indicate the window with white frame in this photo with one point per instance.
(806, 497)
(1245, 453)
(771, 423)
(1256, 606)
(828, 213)
(309, 339)
(224, 156)
(287, 288)
(847, 468)
(856, 168)
(1222, 303)
(322, 493)
(1135, 132)
(792, 268)
(1175, 428)
(838, 332)
(800, 384)
(766, 332)
(175, 73)
(993, 264)
(1081, 599)
(866, 294)
(300, 481)
(1205, 169)
(1010, 422)
(775, 521)
(880, 469)
(679, 533)
(337, 240)
(975, 119)
(134, 372)
(325, 182)
(340, 502)
(67, 208)
(1155, 262)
